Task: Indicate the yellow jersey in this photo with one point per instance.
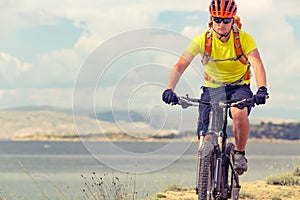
(228, 71)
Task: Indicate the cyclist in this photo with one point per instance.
(227, 71)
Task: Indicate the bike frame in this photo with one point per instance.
(217, 135)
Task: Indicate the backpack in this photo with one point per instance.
(238, 50)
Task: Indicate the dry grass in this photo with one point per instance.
(108, 187)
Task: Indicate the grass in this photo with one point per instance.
(282, 195)
(276, 198)
(26, 171)
(297, 171)
(160, 196)
(176, 188)
(95, 188)
(276, 187)
(246, 195)
(171, 184)
(108, 188)
(167, 185)
(33, 179)
(287, 179)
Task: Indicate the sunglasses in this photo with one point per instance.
(218, 20)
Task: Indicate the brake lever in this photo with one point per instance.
(244, 103)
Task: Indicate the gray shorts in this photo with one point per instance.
(217, 94)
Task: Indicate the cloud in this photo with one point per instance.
(103, 20)
(100, 21)
(56, 97)
(192, 31)
(56, 69)
(278, 46)
(11, 69)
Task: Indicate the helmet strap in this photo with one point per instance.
(221, 35)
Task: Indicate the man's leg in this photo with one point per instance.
(241, 130)
(241, 127)
(203, 118)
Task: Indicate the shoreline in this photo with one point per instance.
(192, 140)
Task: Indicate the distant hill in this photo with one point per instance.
(288, 131)
(285, 131)
(26, 121)
(37, 108)
(130, 116)
(50, 122)
(55, 123)
(282, 131)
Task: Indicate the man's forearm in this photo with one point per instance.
(173, 79)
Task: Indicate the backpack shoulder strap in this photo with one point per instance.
(238, 47)
(207, 47)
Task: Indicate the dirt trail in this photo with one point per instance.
(250, 190)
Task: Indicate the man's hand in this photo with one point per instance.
(261, 95)
(169, 96)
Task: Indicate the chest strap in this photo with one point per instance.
(245, 77)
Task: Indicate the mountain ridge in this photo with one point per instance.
(46, 121)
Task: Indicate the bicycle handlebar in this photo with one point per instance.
(186, 101)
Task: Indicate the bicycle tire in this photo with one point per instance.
(230, 175)
(206, 171)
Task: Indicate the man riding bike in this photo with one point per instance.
(227, 55)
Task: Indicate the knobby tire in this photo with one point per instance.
(206, 171)
(231, 176)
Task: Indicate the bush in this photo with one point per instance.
(160, 196)
(276, 198)
(297, 171)
(107, 187)
(246, 195)
(175, 188)
(284, 179)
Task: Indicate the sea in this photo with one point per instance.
(38, 170)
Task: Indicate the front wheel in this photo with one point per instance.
(231, 177)
(205, 172)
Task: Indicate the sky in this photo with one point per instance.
(117, 54)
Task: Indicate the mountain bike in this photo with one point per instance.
(216, 178)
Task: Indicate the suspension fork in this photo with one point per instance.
(201, 137)
(218, 171)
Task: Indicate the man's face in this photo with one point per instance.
(222, 25)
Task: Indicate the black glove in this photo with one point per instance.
(261, 95)
(169, 96)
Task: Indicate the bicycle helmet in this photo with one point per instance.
(222, 8)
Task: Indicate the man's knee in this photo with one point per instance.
(239, 114)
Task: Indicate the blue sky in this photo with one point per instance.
(43, 46)
(30, 42)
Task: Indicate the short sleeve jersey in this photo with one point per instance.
(223, 71)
